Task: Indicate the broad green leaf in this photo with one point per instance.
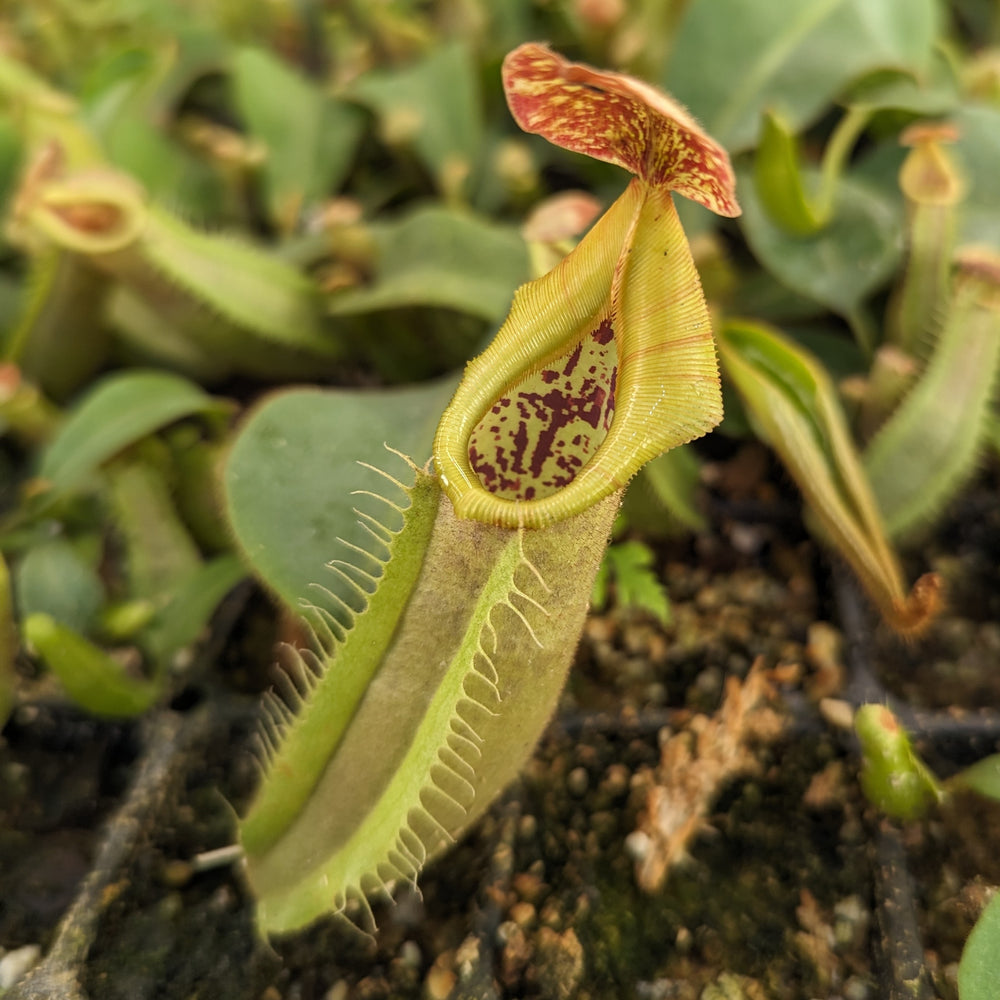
(290, 476)
(439, 257)
(54, 578)
(309, 137)
(118, 411)
(193, 603)
(842, 263)
(799, 209)
(778, 180)
(935, 92)
(89, 675)
(432, 107)
(760, 294)
(131, 102)
(663, 496)
(979, 968)
(733, 59)
(44, 115)
(442, 280)
(795, 408)
(978, 152)
(827, 342)
(983, 777)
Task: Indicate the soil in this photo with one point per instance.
(791, 886)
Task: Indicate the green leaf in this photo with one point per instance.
(53, 578)
(289, 478)
(630, 566)
(794, 407)
(131, 101)
(90, 677)
(118, 411)
(274, 308)
(979, 968)
(839, 265)
(441, 278)
(433, 107)
(983, 778)
(194, 602)
(310, 137)
(663, 496)
(732, 59)
(439, 257)
(44, 114)
(934, 92)
(978, 152)
(778, 180)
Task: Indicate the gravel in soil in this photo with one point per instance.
(540, 900)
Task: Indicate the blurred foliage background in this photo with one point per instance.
(207, 202)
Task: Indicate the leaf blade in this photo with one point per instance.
(118, 411)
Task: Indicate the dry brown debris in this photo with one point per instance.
(825, 653)
(815, 940)
(694, 766)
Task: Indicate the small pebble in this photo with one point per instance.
(656, 694)
(529, 886)
(837, 712)
(551, 914)
(577, 781)
(16, 964)
(439, 983)
(683, 941)
(527, 828)
(851, 919)
(176, 873)
(559, 963)
(410, 954)
(856, 988)
(616, 780)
